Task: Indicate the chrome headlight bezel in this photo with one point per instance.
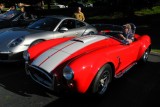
(26, 55)
(68, 73)
(16, 42)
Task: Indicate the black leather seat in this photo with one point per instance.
(133, 28)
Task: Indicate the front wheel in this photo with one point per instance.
(145, 56)
(101, 81)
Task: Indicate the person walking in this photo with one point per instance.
(79, 14)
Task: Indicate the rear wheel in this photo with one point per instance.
(101, 81)
(145, 56)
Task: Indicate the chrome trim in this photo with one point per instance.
(7, 52)
(48, 84)
(120, 74)
(71, 70)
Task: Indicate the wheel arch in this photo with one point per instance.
(143, 49)
(113, 73)
(113, 69)
(88, 74)
(146, 44)
(34, 41)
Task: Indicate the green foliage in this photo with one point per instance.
(153, 10)
(114, 15)
(155, 50)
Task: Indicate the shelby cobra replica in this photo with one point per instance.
(84, 64)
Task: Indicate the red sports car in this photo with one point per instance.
(84, 64)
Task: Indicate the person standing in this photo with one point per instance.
(22, 8)
(79, 14)
(29, 10)
(1, 8)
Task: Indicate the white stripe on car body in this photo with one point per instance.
(50, 59)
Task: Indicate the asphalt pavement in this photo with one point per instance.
(137, 88)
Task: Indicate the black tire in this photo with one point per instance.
(101, 81)
(35, 42)
(145, 56)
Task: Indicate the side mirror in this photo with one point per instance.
(63, 29)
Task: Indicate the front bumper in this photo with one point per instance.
(48, 80)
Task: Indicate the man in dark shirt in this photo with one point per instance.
(127, 35)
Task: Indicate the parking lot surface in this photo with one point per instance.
(138, 87)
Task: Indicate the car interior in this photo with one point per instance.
(69, 24)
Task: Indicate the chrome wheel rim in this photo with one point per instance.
(103, 82)
(145, 57)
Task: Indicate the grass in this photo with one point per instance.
(143, 12)
(5, 9)
(151, 11)
(155, 50)
(115, 15)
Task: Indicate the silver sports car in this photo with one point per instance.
(13, 41)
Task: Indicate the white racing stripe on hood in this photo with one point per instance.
(50, 59)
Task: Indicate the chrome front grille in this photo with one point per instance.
(42, 77)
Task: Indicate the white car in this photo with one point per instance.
(56, 5)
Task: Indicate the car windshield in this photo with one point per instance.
(110, 27)
(47, 23)
(9, 14)
(109, 30)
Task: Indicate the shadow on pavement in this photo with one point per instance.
(14, 79)
(138, 87)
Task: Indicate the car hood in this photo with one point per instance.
(9, 34)
(56, 55)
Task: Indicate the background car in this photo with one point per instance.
(84, 64)
(13, 18)
(13, 41)
(56, 5)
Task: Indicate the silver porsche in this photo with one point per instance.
(13, 41)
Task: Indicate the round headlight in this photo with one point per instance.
(68, 73)
(26, 55)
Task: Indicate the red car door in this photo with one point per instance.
(126, 54)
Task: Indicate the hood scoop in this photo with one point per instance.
(85, 39)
